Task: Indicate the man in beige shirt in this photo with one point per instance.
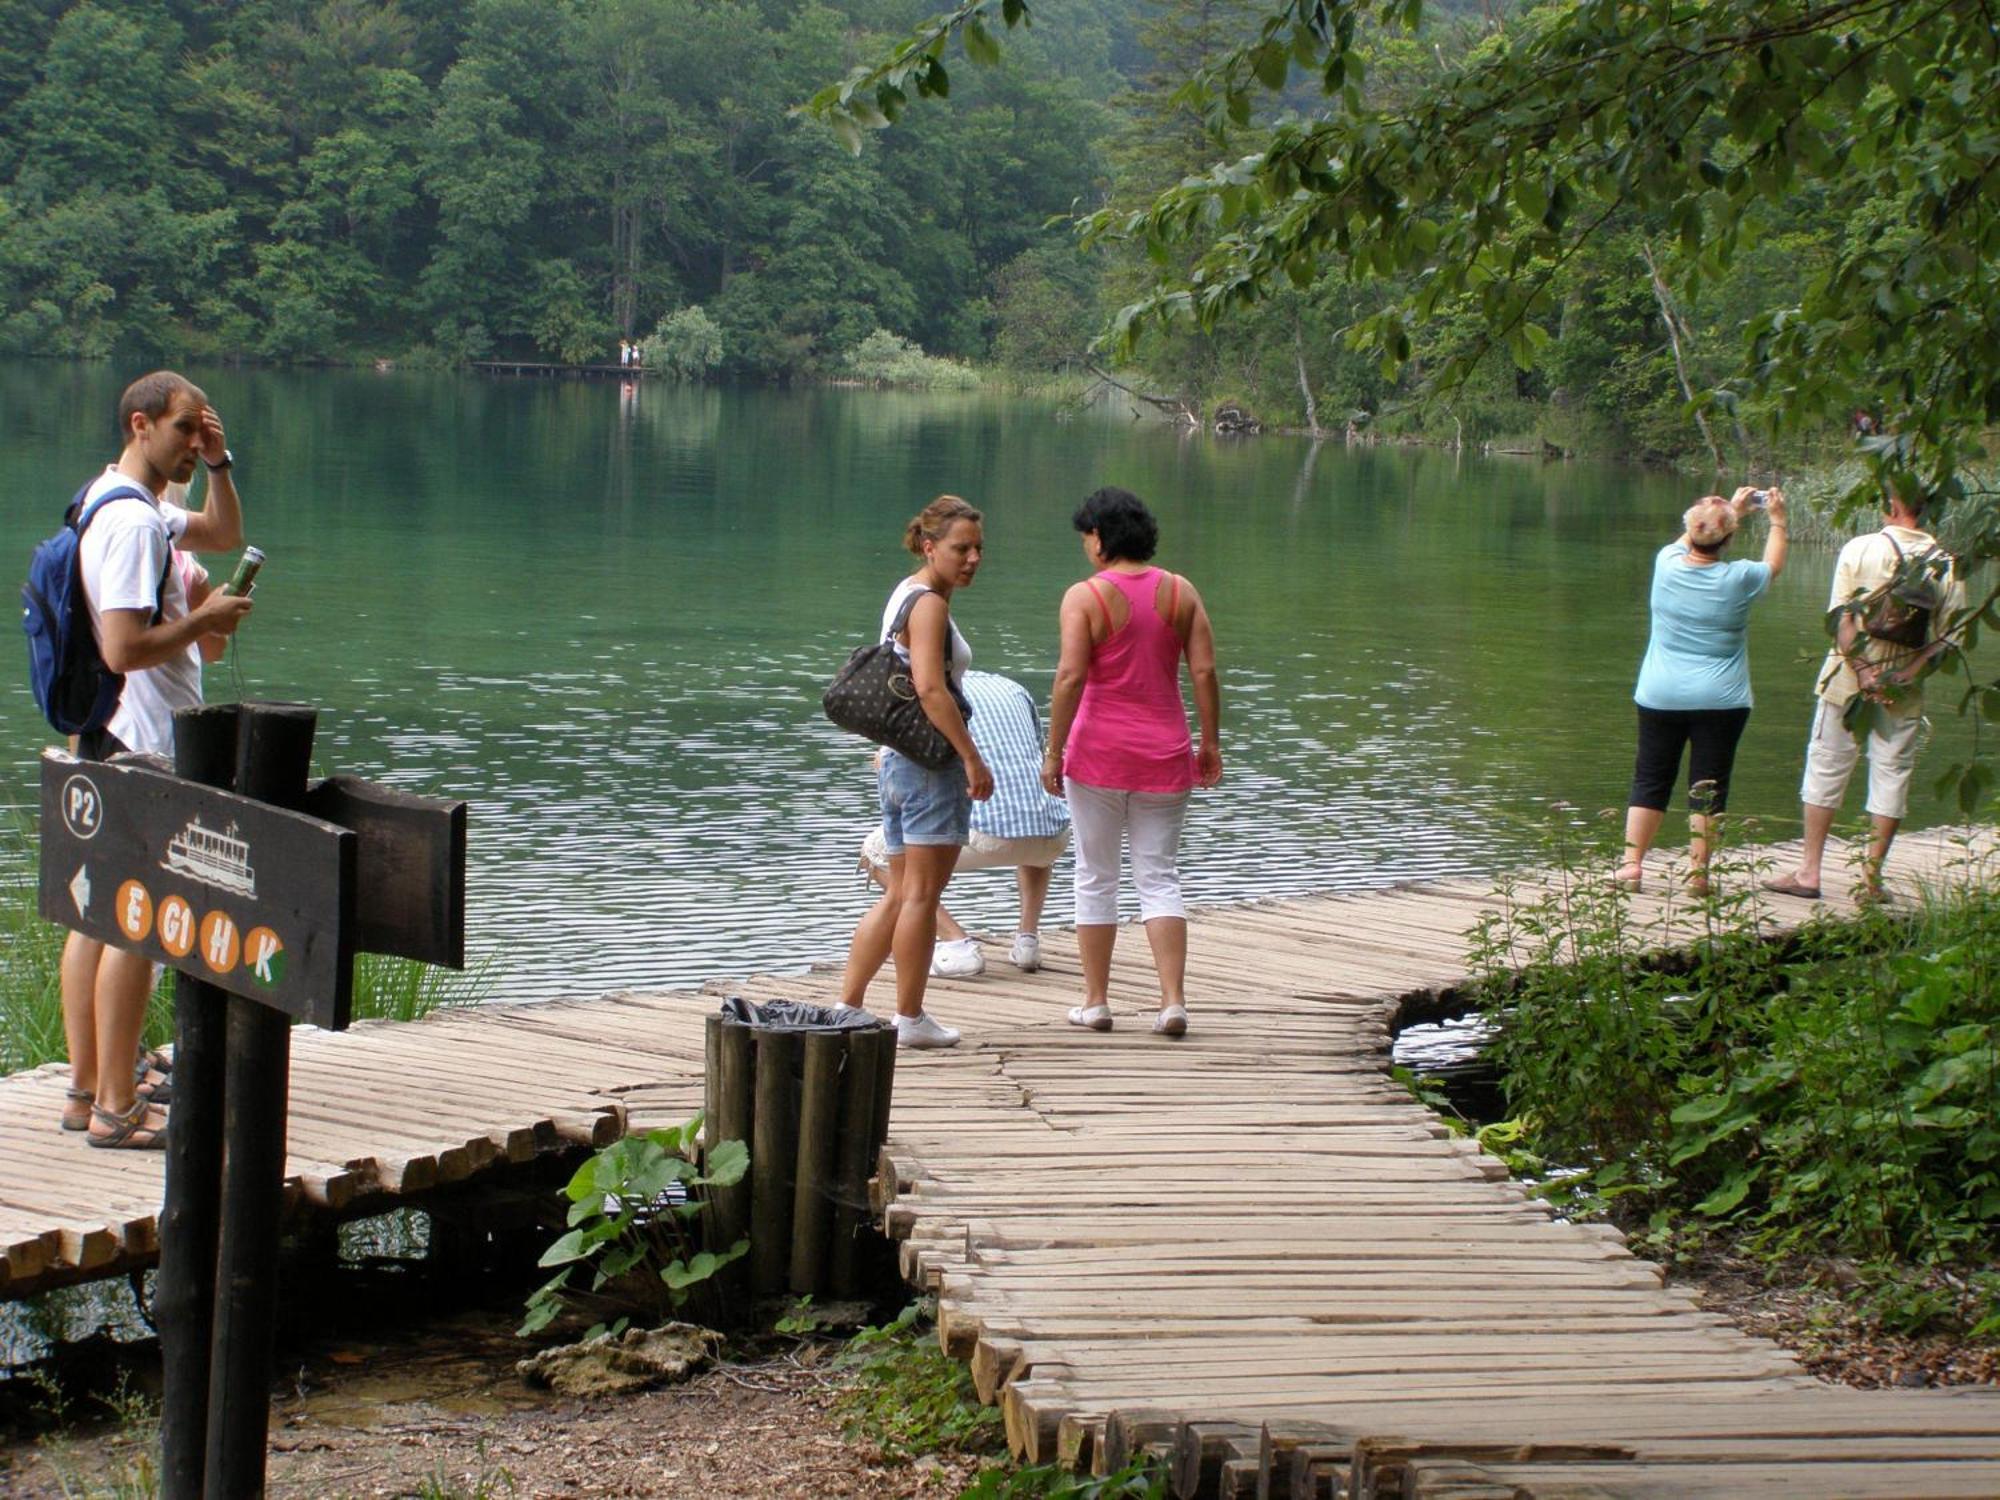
(1889, 675)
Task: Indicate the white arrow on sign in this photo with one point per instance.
(79, 890)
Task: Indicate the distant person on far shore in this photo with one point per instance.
(926, 814)
(1119, 745)
(1020, 826)
(1881, 653)
(1693, 692)
(624, 354)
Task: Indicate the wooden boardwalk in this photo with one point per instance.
(1248, 1249)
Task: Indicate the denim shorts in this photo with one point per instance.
(921, 806)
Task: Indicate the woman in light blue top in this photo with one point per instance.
(1694, 685)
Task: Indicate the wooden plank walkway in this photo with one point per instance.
(1248, 1250)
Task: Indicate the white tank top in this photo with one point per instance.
(961, 653)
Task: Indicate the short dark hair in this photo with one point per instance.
(1126, 530)
(152, 394)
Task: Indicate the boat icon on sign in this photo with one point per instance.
(220, 859)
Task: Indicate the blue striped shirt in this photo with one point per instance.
(1008, 733)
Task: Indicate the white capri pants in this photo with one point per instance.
(1831, 752)
(1152, 822)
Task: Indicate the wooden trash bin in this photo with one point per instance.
(807, 1088)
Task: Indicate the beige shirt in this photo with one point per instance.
(1866, 564)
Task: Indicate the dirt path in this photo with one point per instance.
(442, 1414)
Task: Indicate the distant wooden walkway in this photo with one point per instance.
(561, 371)
(1248, 1250)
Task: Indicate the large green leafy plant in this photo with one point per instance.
(638, 1237)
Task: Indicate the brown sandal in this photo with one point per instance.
(76, 1109)
(129, 1131)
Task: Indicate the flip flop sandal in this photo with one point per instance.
(153, 1060)
(76, 1109)
(125, 1130)
(1171, 1021)
(1628, 879)
(1791, 885)
(156, 1093)
(1091, 1017)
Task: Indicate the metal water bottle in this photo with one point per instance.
(246, 572)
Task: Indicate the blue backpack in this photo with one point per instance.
(73, 688)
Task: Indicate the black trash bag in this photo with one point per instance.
(796, 1015)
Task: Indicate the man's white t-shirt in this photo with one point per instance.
(124, 555)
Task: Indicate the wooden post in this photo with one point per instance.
(812, 1193)
(885, 1084)
(854, 1159)
(732, 1077)
(274, 756)
(773, 1152)
(191, 1215)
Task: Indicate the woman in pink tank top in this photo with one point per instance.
(1119, 748)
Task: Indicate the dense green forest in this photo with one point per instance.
(442, 180)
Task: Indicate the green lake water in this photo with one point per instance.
(604, 618)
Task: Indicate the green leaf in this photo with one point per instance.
(569, 1248)
(846, 132)
(1972, 787)
(1707, 1107)
(979, 43)
(1272, 65)
(726, 1164)
(1726, 1197)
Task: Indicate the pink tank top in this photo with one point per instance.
(1131, 731)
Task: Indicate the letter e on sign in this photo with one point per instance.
(264, 956)
(135, 911)
(176, 926)
(220, 944)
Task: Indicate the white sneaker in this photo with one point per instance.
(921, 1031)
(959, 960)
(1026, 954)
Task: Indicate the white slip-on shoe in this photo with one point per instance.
(921, 1031)
(1172, 1021)
(1026, 954)
(959, 960)
(1091, 1017)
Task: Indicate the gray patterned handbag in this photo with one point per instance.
(875, 697)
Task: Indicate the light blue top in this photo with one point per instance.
(1697, 656)
(1008, 733)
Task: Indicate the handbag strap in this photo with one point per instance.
(902, 620)
(897, 625)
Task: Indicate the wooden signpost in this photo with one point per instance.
(258, 890)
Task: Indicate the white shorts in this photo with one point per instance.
(1150, 824)
(1831, 752)
(980, 851)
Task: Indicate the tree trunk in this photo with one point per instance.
(1305, 386)
(1672, 320)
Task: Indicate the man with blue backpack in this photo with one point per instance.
(119, 687)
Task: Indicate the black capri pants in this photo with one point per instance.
(1709, 736)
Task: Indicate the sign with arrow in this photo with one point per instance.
(253, 899)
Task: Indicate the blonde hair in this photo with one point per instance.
(1710, 522)
(934, 521)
